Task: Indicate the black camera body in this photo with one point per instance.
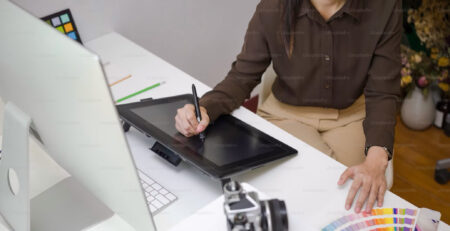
(245, 212)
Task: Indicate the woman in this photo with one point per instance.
(338, 83)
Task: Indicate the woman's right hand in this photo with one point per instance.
(186, 121)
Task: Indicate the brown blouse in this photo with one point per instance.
(355, 52)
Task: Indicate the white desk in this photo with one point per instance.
(307, 182)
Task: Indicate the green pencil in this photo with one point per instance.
(139, 92)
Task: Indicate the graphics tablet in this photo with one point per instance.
(231, 146)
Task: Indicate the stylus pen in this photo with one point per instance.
(197, 110)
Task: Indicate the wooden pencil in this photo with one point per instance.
(120, 80)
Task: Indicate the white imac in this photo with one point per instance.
(57, 87)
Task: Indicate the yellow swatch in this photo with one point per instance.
(387, 211)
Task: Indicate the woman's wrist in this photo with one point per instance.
(377, 155)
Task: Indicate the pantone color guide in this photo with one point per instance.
(380, 219)
(63, 22)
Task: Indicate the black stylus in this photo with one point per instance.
(197, 110)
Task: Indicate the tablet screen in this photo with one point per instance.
(225, 143)
(231, 145)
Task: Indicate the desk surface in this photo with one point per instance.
(307, 182)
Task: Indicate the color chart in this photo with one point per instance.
(380, 219)
(63, 22)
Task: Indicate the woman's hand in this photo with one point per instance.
(368, 177)
(186, 121)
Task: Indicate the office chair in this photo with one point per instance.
(266, 88)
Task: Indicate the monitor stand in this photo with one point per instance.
(66, 206)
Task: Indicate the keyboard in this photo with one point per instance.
(157, 196)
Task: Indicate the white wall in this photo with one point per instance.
(201, 37)
(93, 17)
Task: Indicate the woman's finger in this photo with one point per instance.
(191, 118)
(352, 192)
(381, 193)
(363, 194)
(372, 198)
(345, 175)
(185, 127)
(204, 123)
(180, 128)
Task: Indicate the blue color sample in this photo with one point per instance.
(72, 35)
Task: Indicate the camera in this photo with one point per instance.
(245, 212)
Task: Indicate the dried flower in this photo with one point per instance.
(432, 25)
(434, 50)
(417, 58)
(443, 62)
(431, 22)
(406, 80)
(444, 86)
(422, 82)
(405, 71)
(444, 74)
(404, 60)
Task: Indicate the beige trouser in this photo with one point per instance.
(337, 133)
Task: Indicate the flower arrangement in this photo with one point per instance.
(431, 22)
(422, 69)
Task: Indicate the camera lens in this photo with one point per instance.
(279, 215)
(275, 210)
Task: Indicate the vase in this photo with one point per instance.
(418, 111)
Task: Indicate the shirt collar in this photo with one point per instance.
(306, 7)
(353, 8)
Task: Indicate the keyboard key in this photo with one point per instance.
(163, 199)
(170, 196)
(154, 193)
(156, 186)
(157, 204)
(145, 178)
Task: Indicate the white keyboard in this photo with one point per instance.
(157, 196)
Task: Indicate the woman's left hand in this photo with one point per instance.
(368, 177)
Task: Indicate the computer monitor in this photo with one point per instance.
(61, 86)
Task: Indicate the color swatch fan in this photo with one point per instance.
(63, 22)
(381, 219)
